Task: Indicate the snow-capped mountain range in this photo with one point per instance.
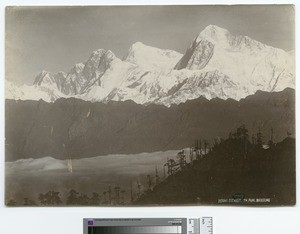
(216, 64)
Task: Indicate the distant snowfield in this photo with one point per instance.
(29, 177)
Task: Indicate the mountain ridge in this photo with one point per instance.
(37, 128)
(216, 64)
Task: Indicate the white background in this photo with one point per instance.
(227, 220)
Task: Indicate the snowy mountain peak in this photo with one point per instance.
(99, 61)
(214, 34)
(44, 72)
(137, 45)
(150, 57)
(214, 29)
(100, 54)
(61, 73)
(109, 55)
(77, 68)
(42, 77)
(245, 61)
(97, 53)
(221, 37)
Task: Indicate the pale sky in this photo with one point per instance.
(55, 38)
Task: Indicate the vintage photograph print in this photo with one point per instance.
(150, 105)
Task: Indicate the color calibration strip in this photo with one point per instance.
(136, 230)
(202, 225)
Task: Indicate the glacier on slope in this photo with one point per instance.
(216, 64)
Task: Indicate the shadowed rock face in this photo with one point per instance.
(81, 76)
(37, 129)
(197, 56)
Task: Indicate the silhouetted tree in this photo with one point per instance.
(171, 164)
(109, 195)
(242, 133)
(104, 197)
(50, 198)
(28, 202)
(83, 199)
(11, 202)
(271, 142)
(139, 187)
(149, 182)
(95, 199)
(43, 199)
(259, 138)
(216, 142)
(131, 193)
(200, 148)
(181, 159)
(72, 198)
(253, 139)
(123, 196)
(205, 146)
(156, 176)
(117, 194)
